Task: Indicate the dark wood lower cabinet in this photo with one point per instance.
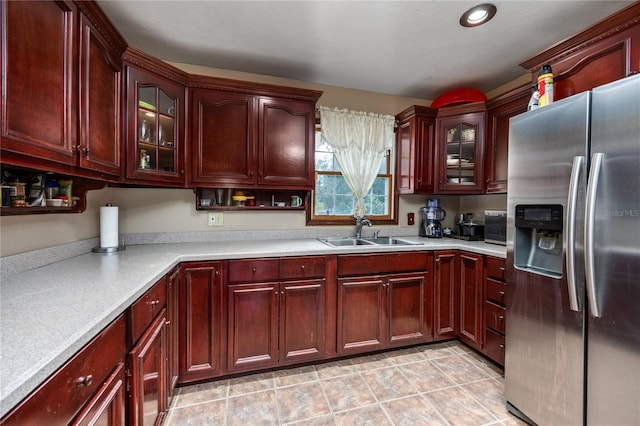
(107, 406)
(173, 321)
(386, 309)
(471, 303)
(446, 295)
(458, 303)
(88, 386)
(201, 321)
(275, 323)
(148, 375)
(270, 313)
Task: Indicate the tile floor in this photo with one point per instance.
(438, 384)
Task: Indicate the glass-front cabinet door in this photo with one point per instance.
(155, 149)
(461, 161)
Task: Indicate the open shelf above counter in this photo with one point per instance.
(264, 199)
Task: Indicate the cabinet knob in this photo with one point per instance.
(167, 323)
(302, 267)
(154, 302)
(84, 381)
(86, 152)
(253, 269)
(501, 346)
(217, 273)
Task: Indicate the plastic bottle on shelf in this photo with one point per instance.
(545, 86)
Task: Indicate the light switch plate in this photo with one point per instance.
(215, 219)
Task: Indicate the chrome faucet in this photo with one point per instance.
(359, 222)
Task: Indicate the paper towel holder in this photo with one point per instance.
(121, 246)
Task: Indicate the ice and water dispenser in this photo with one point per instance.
(538, 239)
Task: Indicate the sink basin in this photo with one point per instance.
(348, 241)
(390, 241)
(352, 241)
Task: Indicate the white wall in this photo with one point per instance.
(156, 210)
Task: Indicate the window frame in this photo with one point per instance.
(327, 220)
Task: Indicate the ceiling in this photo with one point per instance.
(406, 48)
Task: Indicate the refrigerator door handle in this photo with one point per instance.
(572, 202)
(589, 227)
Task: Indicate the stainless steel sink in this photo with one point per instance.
(352, 241)
(387, 241)
(347, 241)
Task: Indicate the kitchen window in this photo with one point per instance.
(333, 201)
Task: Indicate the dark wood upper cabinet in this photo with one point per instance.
(286, 143)
(223, 127)
(415, 150)
(62, 108)
(460, 149)
(39, 106)
(247, 135)
(500, 110)
(155, 112)
(607, 51)
(100, 102)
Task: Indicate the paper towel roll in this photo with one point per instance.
(108, 227)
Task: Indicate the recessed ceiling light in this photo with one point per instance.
(478, 15)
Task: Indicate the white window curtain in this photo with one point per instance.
(359, 140)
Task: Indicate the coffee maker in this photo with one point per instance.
(431, 216)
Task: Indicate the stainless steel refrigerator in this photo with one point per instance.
(573, 260)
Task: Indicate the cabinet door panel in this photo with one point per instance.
(148, 366)
(302, 321)
(471, 273)
(445, 295)
(500, 111)
(100, 102)
(360, 315)
(425, 152)
(107, 406)
(252, 326)
(405, 152)
(173, 354)
(408, 309)
(286, 156)
(40, 77)
(200, 321)
(222, 138)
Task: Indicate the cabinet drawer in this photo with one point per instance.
(358, 264)
(496, 268)
(495, 316)
(63, 395)
(495, 346)
(496, 291)
(145, 309)
(253, 270)
(302, 267)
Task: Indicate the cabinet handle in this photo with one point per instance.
(501, 346)
(167, 323)
(154, 302)
(217, 273)
(253, 269)
(86, 152)
(501, 318)
(76, 148)
(84, 381)
(251, 174)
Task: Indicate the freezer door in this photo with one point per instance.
(544, 364)
(613, 370)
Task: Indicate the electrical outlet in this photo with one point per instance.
(214, 219)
